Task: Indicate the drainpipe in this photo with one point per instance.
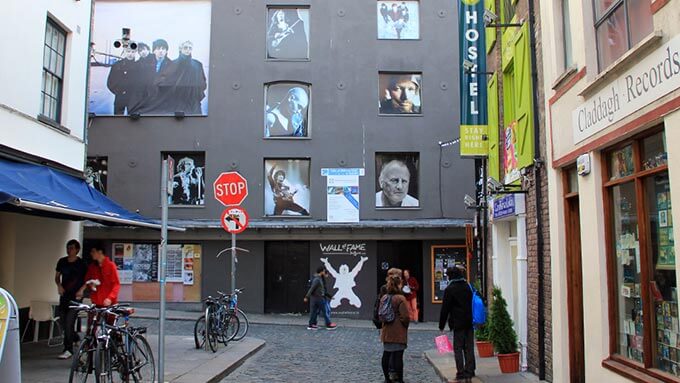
(86, 123)
(537, 185)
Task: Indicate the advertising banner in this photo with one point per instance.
(342, 194)
(473, 101)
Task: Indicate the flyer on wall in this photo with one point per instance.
(342, 190)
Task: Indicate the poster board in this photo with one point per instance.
(444, 256)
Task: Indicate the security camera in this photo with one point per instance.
(468, 65)
(489, 17)
(493, 185)
(469, 202)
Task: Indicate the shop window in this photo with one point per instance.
(643, 284)
(619, 25)
(572, 179)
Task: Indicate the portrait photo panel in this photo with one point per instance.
(400, 93)
(288, 33)
(150, 58)
(188, 178)
(398, 20)
(396, 182)
(286, 190)
(287, 110)
(97, 173)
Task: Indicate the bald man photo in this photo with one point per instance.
(286, 114)
(394, 182)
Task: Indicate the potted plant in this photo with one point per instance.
(502, 334)
(484, 345)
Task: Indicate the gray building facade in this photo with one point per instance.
(346, 128)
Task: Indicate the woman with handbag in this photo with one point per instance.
(393, 334)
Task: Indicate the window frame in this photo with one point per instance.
(51, 23)
(616, 361)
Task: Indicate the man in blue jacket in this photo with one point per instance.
(457, 309)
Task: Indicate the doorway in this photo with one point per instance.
(574, 290)
(402, 255)
(286, 275)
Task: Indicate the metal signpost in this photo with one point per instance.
(167, 169)
(234, 220)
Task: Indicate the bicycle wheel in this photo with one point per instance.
(243, 325)
(212, 329)
(142, 365)
(102, 364)
(231, 326)
(81, 365)
(199, 332)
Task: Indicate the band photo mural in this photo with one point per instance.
(287, 190)
(287, 110)
(96, 173)
(188, 178)
(396, 181)
(150, 58)
(400, 93)
(398, 20)
(288, 33)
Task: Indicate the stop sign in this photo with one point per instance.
(230, 188)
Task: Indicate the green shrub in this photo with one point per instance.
(482, 332)
(500, 329)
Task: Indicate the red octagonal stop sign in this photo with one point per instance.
(230, 188)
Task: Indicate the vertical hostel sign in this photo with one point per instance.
(473, 114)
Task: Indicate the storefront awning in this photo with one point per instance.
(40, 190)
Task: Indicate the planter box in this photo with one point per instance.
(485, 349)
(509, 363)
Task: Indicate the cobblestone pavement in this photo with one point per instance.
(295, 354)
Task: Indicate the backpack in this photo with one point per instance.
(478, 309)
(385, 311)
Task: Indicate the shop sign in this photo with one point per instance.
(655, 76)
(507, 205)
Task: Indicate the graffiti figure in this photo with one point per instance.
(344, 282)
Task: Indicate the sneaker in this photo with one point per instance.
(65, 355)
(331, 326)
(312, 327)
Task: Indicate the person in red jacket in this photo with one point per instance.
(101, 278)
(411, 287)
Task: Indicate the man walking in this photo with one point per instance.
(69, 278)
(316, 296)
(457, 309)
(102, 279)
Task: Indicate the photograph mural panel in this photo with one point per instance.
(286, 110)
(398, 21)
(288, 33)
(150, 58)
(96, 173)
(288, 192)
(396, 182)
(188, 180)
(400, 93)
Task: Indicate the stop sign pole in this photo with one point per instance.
(230, 189)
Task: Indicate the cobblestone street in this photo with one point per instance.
(295, 354)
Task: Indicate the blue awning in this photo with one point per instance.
(40, 190)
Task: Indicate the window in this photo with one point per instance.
(619, 25)
(188, 178)
(566, 35)
(643, 284)
(53, 71)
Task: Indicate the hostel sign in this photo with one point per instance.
(473, 108)
(655, 76)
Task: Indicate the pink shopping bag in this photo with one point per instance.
(443, 344)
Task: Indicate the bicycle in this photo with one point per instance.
(217, 324)
(232, 300)
(108, 348)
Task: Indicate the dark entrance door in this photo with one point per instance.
(575, 291)
(286, 274)
(402, 255)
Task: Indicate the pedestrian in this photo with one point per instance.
(411, 287)
(69, 277)
(328, 295)
(457, 309)
(394, 334)
(102, 279)
(316, 298)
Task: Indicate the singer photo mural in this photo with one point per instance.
(398, 20)
(286, 192)
(188, 180)
(150, 58)
(288, 33)
(287, 110)
(396, 181)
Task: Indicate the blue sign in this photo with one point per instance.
(504, 206)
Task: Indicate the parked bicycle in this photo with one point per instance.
(112, 352)
(216, 325)
(232, 304)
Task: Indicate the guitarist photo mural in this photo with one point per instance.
(288, 192)
(287, 34)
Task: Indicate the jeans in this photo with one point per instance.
(393, 366)
(317, 305)
(464, 352)
(67, 319)
(327, 308)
